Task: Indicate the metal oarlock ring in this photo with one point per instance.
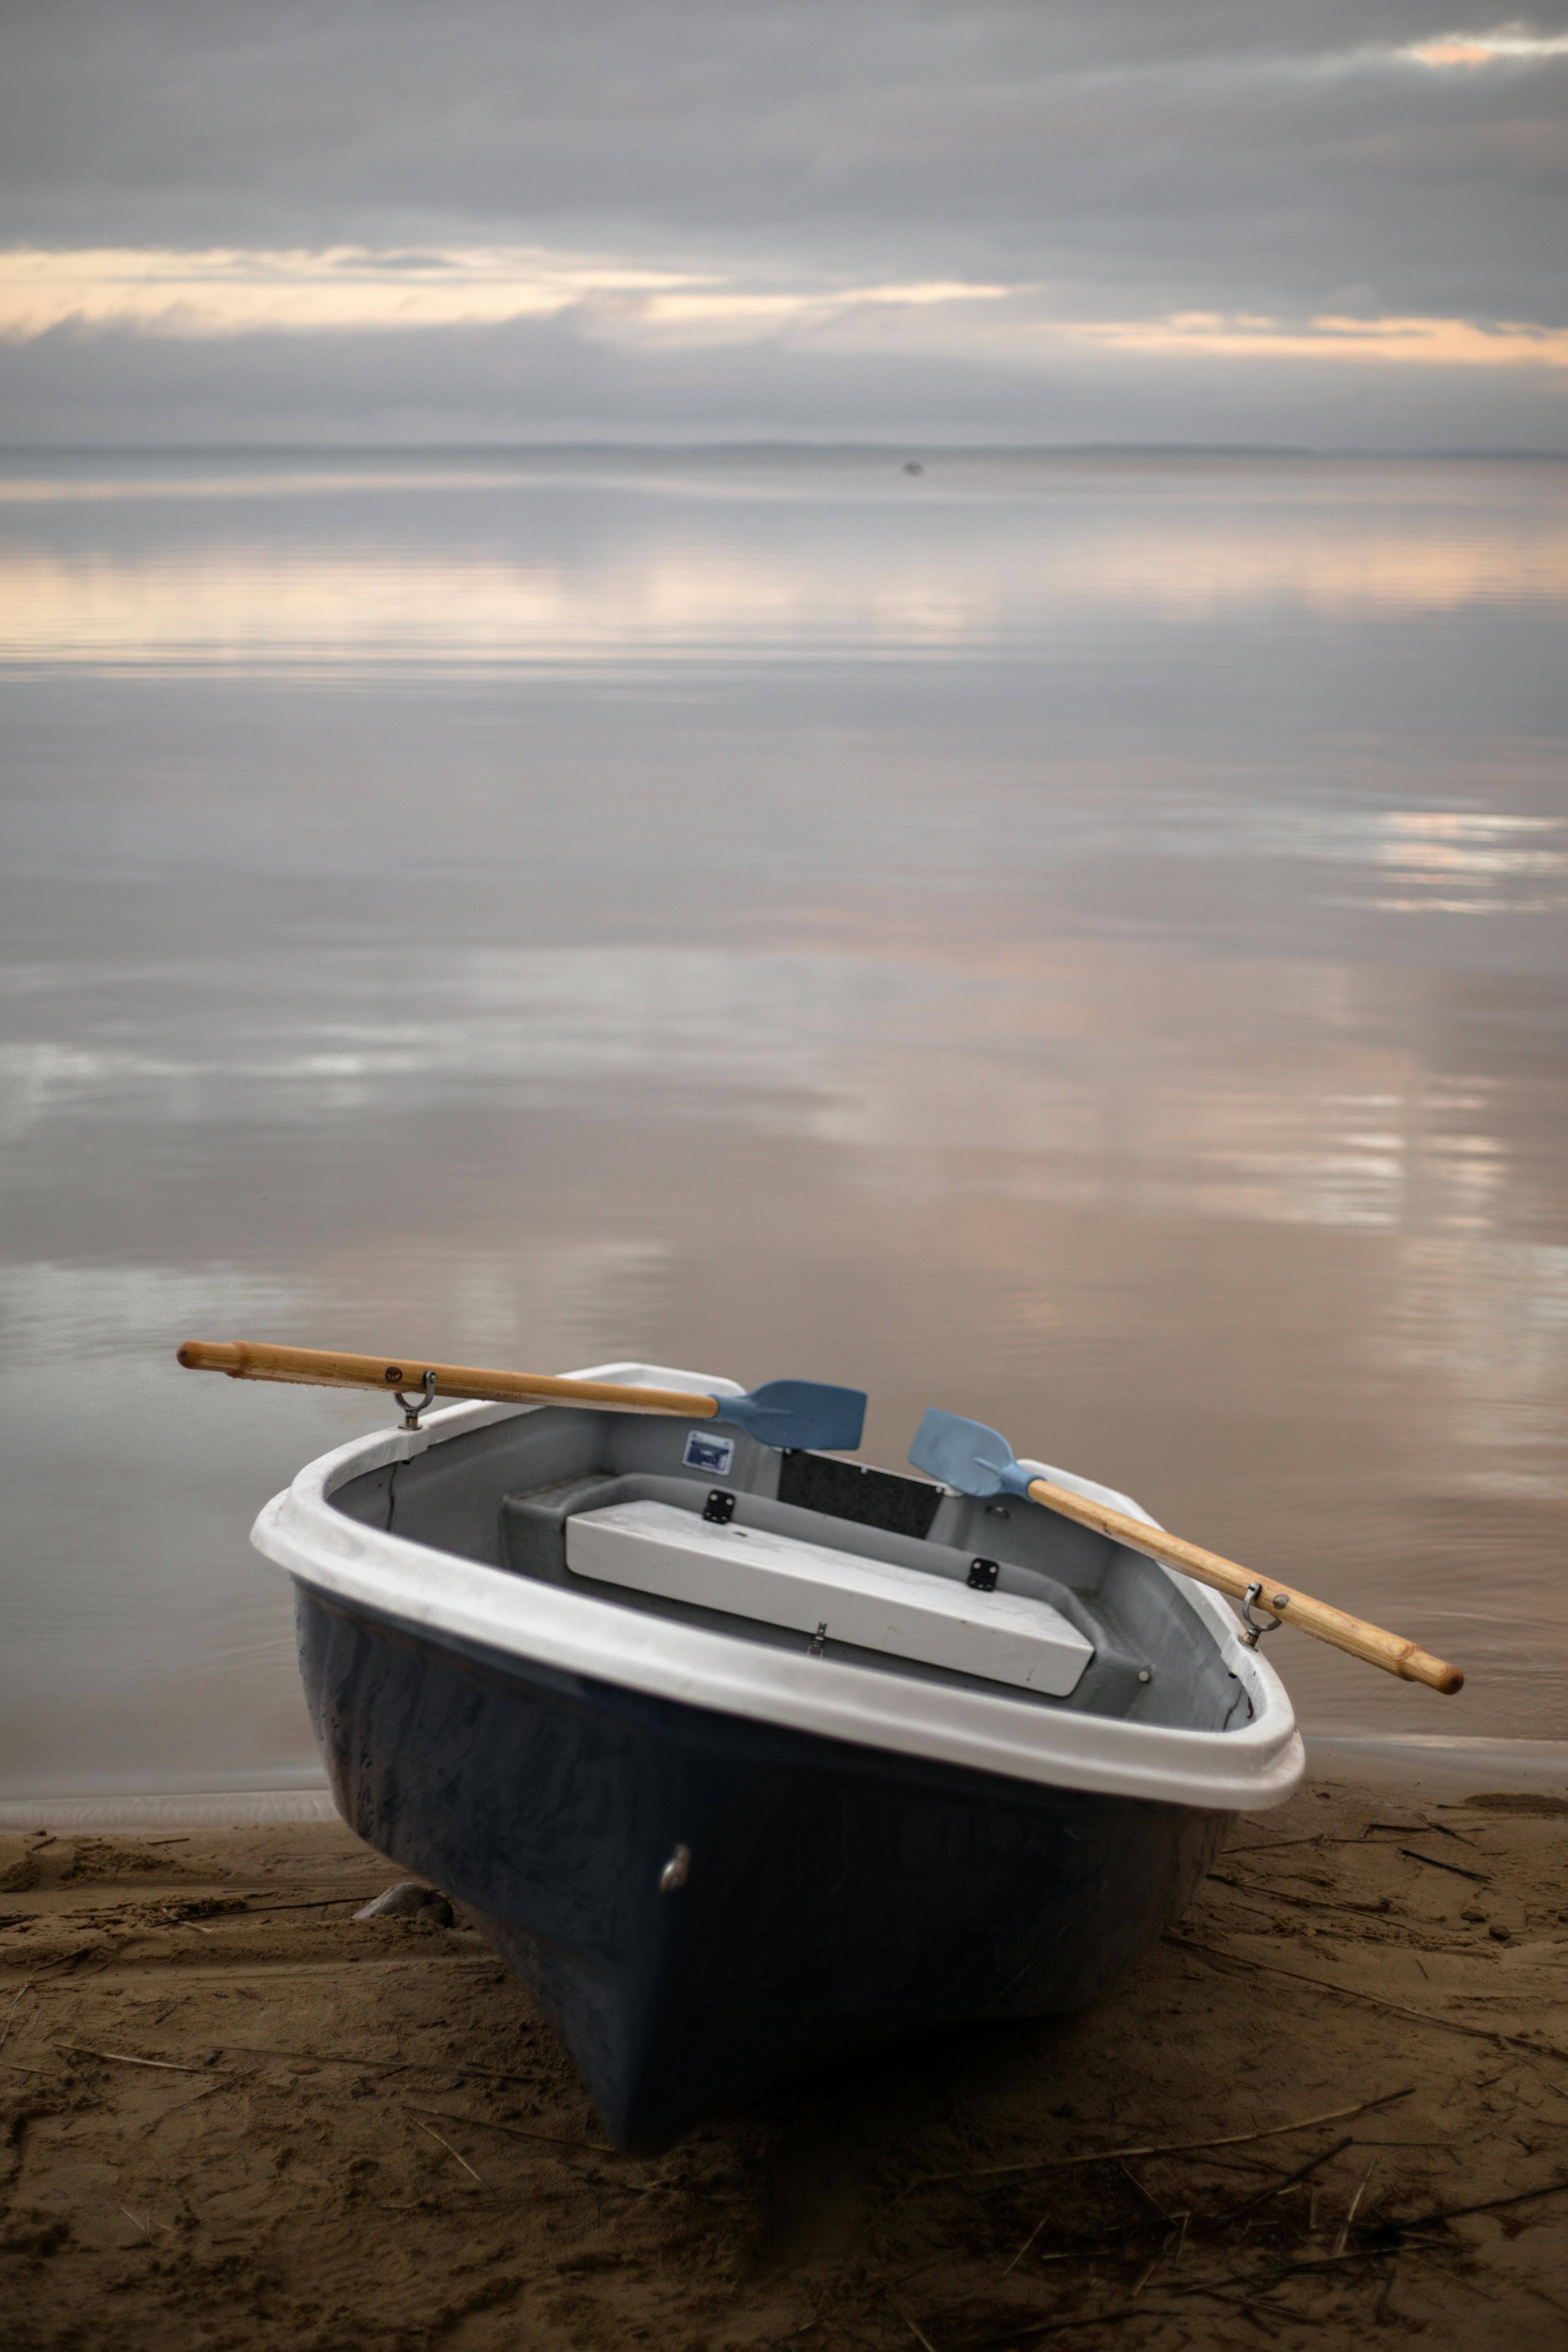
(411, 1412)
(1255, 1632)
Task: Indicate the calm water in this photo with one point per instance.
(1080, 941)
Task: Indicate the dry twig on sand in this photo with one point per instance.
(518, 2131)
(1348, 2224)
(1432, 1862)
(447, 2144)
(10, 2013)
(118, 2058)
(1278, 2188)
(1528, 2048)
(1457, 2213)
(1173, 2148)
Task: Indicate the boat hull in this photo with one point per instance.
(836, 1895)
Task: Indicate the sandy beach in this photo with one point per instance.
(1334, 2098)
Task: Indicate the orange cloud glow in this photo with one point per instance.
(346, 288)
(1425, 342)
(1514, 41)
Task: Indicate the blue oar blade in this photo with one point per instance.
(791, 1413)
(965, 1455)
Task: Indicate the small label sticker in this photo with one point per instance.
(711, 1454)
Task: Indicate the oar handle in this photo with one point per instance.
(1406, 1659)
(245, 1359)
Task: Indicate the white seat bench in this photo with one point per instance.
(654, 1548)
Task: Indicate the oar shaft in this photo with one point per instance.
(245, 1359)
(1396, 1656)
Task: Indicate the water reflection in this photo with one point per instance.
(1061, 1069)
(1102, 1041)
(481, 572)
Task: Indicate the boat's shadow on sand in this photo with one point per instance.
(837, 2148)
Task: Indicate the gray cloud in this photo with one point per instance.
(548, 381)
(1129, 159)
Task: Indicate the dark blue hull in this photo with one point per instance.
(836, 1895)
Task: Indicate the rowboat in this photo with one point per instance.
(746, 1758)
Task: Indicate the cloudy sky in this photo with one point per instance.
(1332, 221)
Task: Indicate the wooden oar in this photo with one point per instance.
(977, 1461)
(781, 1414)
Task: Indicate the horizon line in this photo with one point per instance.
(907, 450)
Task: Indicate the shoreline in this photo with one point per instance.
(1428, 1758)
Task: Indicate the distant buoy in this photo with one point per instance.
(914, 467)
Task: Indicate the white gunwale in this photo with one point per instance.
(441, 1594)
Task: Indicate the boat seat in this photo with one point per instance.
(748, 1572)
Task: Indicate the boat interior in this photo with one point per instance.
(810, 1552)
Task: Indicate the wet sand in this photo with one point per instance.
(234, 2117)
